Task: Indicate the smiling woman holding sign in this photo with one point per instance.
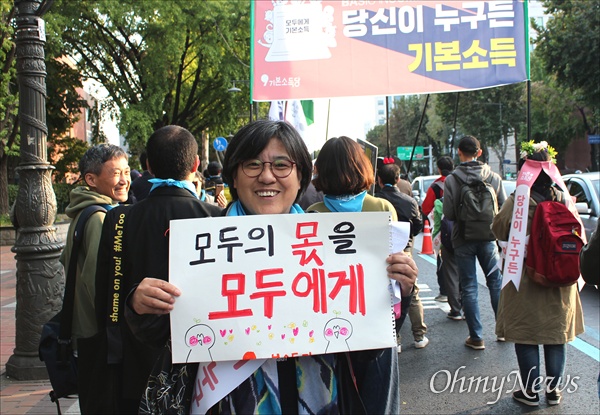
(268, 167)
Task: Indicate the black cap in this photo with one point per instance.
(469, 145)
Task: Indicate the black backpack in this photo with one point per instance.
(55, 348)
(477, 207)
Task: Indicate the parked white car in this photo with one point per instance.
(585, 188)
(509, 186)
(420, 186)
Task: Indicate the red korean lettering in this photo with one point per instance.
(268, 295)
(199, 395)
(306, 230)
(356, 283)
(315, 283)
(232, 294)
(210, 378)
(238, 365)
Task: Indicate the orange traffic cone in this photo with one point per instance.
(427, 248)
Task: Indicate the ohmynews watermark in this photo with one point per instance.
(445, 381)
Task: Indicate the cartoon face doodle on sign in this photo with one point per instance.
(200, 338)
(337, 332)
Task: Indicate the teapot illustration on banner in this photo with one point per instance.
(297, 31)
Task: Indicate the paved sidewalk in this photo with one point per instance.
(20, 397)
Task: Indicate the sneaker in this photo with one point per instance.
(500, 339)
(421, 343)
(455, 316)
(529, 398)
(442, 298)
(474, 344)
(553, 397)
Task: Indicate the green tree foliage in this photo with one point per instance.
(66, 152)
(63, 104)
(556, 114)
(8, 99)
(63, 109)
(438, 129)
(162, 62)
(492, 115)
(404, 122)
(405, 117)
(570, 45)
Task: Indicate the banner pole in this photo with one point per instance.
(454, 125)
(412, 154)
(528, 114)
(387, 124)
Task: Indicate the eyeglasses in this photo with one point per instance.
(280, 168)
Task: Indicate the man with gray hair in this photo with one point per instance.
(104, 170)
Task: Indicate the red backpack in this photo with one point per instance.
(554, 245)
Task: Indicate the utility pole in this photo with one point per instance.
(40, 279)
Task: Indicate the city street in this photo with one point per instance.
(445, 360)
(448, 378)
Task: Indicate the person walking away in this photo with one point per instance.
(402, 184)
(471, 197)
(173, 160)
(447, 270)
(535, 315)
(407, 210)
(105, 173)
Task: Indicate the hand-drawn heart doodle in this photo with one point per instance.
(247, 330)
(282, 336)
(223, 332)
(295, 331)
(310, 333)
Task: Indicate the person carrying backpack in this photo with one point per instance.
(447, 270)
(529, 313)
(105, 181)
(472, 194)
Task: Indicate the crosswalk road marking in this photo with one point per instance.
(429, 301)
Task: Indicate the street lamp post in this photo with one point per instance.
(235, 89)
(37, 247)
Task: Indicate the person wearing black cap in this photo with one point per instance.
(481, 244)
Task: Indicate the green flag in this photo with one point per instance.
(308, 107)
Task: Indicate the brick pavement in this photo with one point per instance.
(20, 397)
